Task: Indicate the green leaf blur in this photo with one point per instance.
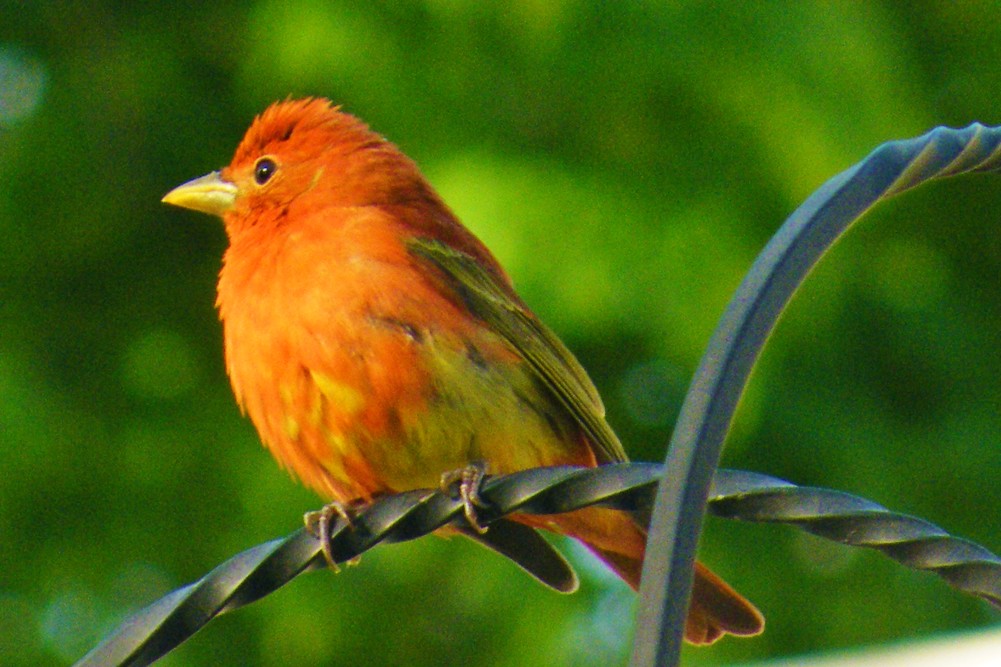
(626, 162)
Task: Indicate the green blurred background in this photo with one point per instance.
(626, 162)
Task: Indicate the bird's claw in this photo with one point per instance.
(319, 524)
(469, 481)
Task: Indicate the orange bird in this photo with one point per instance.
(377, 345)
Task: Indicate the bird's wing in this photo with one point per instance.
(530, 551)
(554, 364)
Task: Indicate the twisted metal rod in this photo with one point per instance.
(751, 316)
(257, 572)
(854, 521)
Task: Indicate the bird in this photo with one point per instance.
(378, 346)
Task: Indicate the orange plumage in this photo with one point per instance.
(377, 344)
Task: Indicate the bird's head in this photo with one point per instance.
(302, 152)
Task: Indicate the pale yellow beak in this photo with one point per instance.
(208, 194)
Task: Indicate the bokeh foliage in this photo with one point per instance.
(626, 161)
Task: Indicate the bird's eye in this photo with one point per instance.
(264, 170)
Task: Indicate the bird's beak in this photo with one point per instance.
(208, 194)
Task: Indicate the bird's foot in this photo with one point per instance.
(319, 524)
(469, 480)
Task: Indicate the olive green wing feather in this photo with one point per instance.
(552, 361)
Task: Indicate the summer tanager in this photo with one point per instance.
(377, 344)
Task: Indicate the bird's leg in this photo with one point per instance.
(469, 478)
(319, 523)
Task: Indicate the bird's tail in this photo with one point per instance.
(617, 539)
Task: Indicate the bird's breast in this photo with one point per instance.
(362, 377)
